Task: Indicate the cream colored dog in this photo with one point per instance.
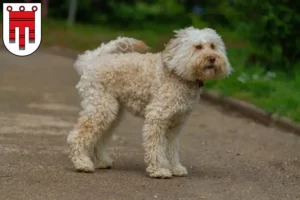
(163, 88)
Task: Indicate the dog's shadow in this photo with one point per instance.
(127, 165)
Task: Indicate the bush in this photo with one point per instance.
(125, 14)
(273, 30)
(140, 14)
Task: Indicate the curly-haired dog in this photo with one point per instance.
(162, 87)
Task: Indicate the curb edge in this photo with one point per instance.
(251, 111)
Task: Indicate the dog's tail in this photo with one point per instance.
(119, 45)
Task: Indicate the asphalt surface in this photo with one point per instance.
(227, 156)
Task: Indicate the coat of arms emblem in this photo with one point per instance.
(22, 27)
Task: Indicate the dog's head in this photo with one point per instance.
(197, 54)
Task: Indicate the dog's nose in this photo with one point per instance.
(212, 59)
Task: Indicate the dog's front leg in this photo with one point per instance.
(155, 142)
(173, 151)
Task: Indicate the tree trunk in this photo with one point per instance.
(72, 12)
(45, 8)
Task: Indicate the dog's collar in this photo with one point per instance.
(200, 83)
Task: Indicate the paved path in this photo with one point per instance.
(228, 157)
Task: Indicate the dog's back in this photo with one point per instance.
(121, 45)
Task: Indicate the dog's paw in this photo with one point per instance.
(83, 164)
(85, 168)
(179, 170)
(103, 164)
(159, 172)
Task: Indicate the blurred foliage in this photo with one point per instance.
(140, 14)
(126, 14)
(270, 27)
(273, 29)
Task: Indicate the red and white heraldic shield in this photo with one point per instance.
(22, 29)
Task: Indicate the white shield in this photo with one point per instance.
(22, 28)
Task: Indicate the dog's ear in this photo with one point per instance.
(170, 55)
(174, 43)
(170, 50)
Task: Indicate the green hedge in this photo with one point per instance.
(273, 29)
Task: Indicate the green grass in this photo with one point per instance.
(82, 37)
(275, 92)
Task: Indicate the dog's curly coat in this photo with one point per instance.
(163, 88)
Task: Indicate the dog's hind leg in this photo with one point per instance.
(173, 151)
(102, 159)
(100, 110)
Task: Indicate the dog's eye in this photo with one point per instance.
(199, 46)
(212, 46)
